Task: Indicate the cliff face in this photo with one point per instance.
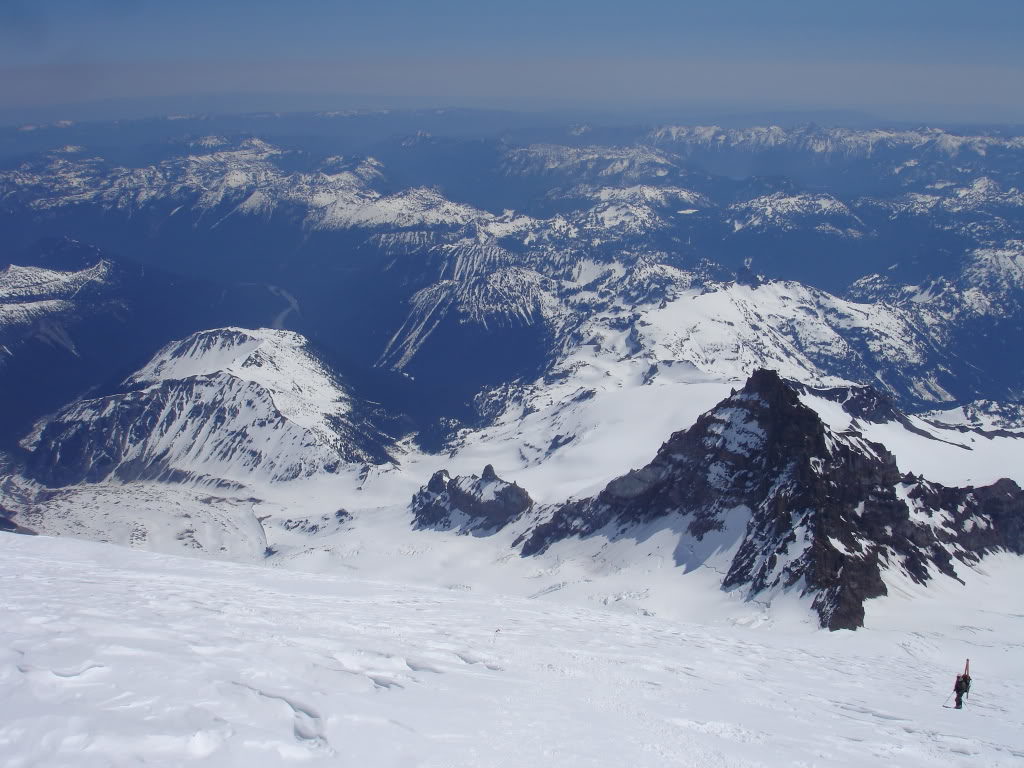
(469, 504)
(801, 506)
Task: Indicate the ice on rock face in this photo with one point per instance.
(736, 430)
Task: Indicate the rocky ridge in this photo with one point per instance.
(469, 504)
(786, 504)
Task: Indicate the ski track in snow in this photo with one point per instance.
(111, 657)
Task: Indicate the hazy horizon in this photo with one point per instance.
(910, 61)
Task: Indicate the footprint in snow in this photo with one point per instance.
(469, 658)
(872, 712)
(384, 681)
(729, 731)
(416, 665)
(307, 725)
(84, 674)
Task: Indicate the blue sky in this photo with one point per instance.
(897, 58)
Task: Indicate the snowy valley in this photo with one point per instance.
(570, 452)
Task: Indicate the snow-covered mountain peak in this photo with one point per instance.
(594, 162)
(983, 415)
(834, 141)
(36, 302)
(216, 149)
(641, 194)
(227, 404)
(244, 178)
(731, 329)
(209, 142)
(417, 207)
(789, 212)
(18, 283)
(302, 388)
(202, 352)
(993, 278)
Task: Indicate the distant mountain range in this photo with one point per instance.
(244, 343)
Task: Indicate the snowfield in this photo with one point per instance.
(256, 564)
(114, 657)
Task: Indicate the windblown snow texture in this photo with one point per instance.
(110, 656)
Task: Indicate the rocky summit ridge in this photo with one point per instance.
(469, 504)
(761, 489)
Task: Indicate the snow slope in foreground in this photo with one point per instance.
(112, 657)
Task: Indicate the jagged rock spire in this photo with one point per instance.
(823, 512)
(469, 503)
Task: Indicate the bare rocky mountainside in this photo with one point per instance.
(260, 337)
(803, 507)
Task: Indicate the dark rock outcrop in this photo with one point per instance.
(803, 507)
(7, 524)
(472, 504)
